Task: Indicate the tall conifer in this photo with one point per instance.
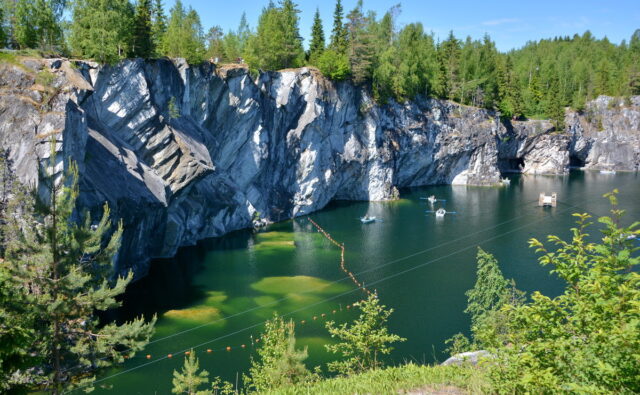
(159, 26)
(317, 37)
(339, 32)
(63, 270)
(142, 43)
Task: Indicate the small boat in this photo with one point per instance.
(441, 212)
(505, 181)
(367, 220)
(432, 199)
(607, 168)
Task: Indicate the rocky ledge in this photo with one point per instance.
(183, 153)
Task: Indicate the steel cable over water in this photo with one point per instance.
(385, 278)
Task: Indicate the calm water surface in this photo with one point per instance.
(218, 293)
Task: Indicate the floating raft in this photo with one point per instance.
(544, 200)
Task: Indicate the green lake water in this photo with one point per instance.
(218, 293)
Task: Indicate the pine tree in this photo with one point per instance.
(184, 37)
(279, 363)
(17, 321)
(101, 29)
(361, 45)
(363, 342)
(142, 42)
(292, 51)
(191, 378)
(63, 269)
(277, 43)
(554, 106)
(159, 26)
(339, 32)
(317, 37)
(449, 67)
(243, 33)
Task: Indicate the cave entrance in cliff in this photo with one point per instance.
(575, 162)
(513, 165)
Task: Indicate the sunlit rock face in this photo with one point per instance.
(182, 153)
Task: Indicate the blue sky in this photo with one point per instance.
(509, 23)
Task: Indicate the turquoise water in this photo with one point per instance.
(218, 293)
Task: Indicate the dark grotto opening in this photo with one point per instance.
(575, 162)
(511, 165)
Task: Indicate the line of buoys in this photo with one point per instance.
(342, 262)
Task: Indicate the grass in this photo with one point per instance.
(399, 379)
(12, 59)
(45, 78)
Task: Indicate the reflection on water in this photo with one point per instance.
(217, 293)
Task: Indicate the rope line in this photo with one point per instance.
(342, 265)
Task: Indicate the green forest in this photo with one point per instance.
(538, 80)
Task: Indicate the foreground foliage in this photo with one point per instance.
(278, 362)
(394, 380)
(364, 342)
(54, 279)
(586, 340)
(190, 379)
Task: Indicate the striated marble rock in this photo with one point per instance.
(183, 152)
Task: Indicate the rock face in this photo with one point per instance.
(182, 153)
(469, 357)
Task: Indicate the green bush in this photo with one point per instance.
(586, 340)
(334, 65)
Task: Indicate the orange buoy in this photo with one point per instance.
(169, 356)
(228, 348)
(209, 350)
(187, 352)
(148, 356)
